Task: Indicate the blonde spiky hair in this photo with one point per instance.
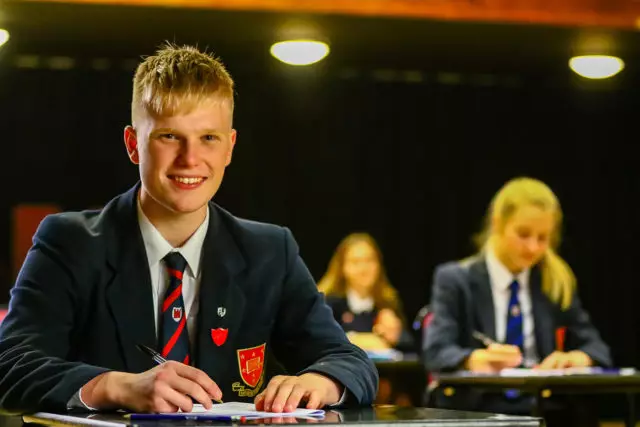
(176, 79)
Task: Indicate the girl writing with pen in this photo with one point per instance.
(516, 291)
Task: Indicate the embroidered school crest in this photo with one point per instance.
(251, 363)
(176, 314)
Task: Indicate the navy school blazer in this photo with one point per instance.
(462, 301)
(83, 300)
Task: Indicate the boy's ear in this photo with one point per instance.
(131, 143)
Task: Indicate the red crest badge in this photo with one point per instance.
(219, 336)
(176, 314)
(251, 361)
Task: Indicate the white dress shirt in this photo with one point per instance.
(358, 304)
(501, 279)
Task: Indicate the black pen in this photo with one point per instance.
(485, 340)
(157, 357)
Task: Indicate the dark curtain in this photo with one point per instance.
(412, 158)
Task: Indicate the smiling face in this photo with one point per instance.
(182, 158)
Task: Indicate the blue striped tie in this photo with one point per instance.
(515, 335)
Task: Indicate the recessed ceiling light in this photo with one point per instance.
(300, 52)
(596, 66)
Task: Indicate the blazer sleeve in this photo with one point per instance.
(308, 339)
(337, 305)
(441, 345)
(37, 333)
(582, 335)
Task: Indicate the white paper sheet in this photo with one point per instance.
(242, 409)
(523, 372)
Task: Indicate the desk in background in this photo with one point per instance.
(379, 416)
(402, 378)
(540, 386)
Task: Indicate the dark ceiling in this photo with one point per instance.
(129, 31)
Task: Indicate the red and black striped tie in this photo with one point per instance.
(174, 337)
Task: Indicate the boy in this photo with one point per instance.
(163, 266)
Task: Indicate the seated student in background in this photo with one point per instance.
(517, 291)
(163, 266)
(363, 300)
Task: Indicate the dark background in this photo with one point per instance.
(406, 131)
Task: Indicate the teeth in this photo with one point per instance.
(186, 180)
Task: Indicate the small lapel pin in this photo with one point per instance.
(222, 311)
(515, 311)
(219, 335)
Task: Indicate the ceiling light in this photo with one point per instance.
(4, 36)
(596, 66)
(300, 52)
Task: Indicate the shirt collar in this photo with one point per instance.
(357, 304)
(157, 246)
(500, 275)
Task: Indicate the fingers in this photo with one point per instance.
(177, 383)
(315, 400)
(550, 362)
(503, 355)
(285, 389)
(564, 361)
(378, 329)
(478, 361)
(200, 378)
(166, 399)
(580, 359)
(295, 396)
(388, 322)
(497, 348)
(285, 394)
(190, 388)
(270, 392)
(259, 402)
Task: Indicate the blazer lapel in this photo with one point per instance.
(542, 316)
(129, 293)
(483, 298)
(222, 301)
